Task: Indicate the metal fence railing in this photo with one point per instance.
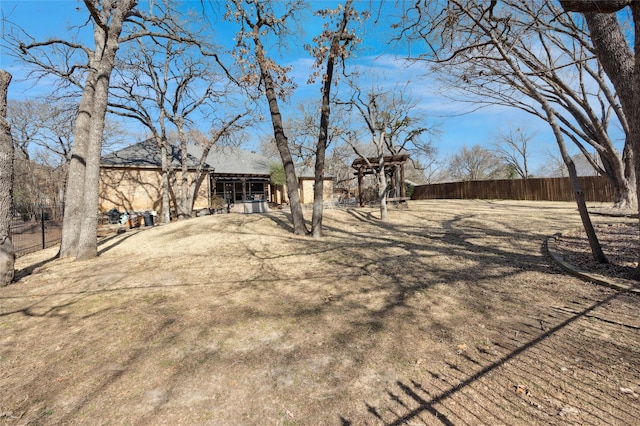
(36, 231)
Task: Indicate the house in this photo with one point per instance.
(131, 179)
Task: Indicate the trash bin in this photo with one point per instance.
(134, 221)
(148, 218)
(114, 216)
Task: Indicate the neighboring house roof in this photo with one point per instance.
(146, 154)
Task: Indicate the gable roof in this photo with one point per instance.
(223, 160)
(233, 160)
(146, 154)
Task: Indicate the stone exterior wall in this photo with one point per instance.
(138, 190)
(306, 190)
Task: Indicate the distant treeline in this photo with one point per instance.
(595, 188)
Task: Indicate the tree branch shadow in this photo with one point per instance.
(427, 405)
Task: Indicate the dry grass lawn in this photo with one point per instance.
(449, 313)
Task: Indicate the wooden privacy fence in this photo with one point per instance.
(595, 188)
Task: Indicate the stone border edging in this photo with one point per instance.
(587, 276)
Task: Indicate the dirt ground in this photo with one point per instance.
(449, 313)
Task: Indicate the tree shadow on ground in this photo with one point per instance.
(374, 252)
(529, 368)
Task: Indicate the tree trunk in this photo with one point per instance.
(166, 185)
(7, 254)
(184, 208)
(620, 63)
(596, 248)
(321, 148)
(79, 235)
(88, 239)
(382, 194)
(293, 193)
(72, 216)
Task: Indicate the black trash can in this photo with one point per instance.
(148, 218)
(114, 216)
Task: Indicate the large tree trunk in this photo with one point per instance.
(79, 235)
(88, 238)
(72, 216)
(7, 254)
(621, 175)
(620, 63)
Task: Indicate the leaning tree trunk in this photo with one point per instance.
(594, 243)
(7, 254)
(297, 217)
(596, 248)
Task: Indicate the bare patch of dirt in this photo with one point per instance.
(450, 312)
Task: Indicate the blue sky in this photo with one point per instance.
(54, 18)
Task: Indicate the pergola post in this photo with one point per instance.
(394, 182)
(403, 187)
(391, 164)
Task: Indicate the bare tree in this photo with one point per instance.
(556, 56)
(394, 125)
(513, 149)
(555, 166)
(170, 86)
(476, 163)
(259, 20)
(7, 254)
(475, 29)
(79, 237)
(332, 47)
(620, 58)
(90, 69)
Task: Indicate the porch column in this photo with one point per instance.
(244, 189)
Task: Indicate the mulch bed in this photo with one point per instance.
(619, 241)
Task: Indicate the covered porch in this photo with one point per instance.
(240, 192)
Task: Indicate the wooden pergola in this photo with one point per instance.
(393, 166)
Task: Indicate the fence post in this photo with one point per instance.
(42, 222)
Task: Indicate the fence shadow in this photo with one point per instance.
(411, 402)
